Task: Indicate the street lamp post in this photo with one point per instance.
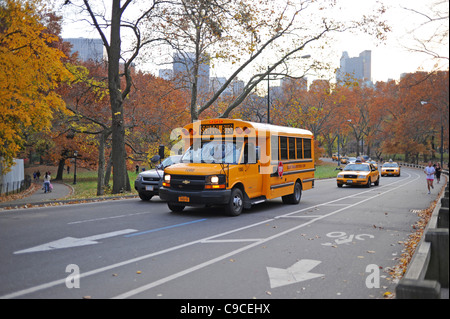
(75, 154)
(268, 96)
(441, 151)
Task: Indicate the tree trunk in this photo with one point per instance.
(59, 173)
(101, 164)
(118, 130)
(108, 171)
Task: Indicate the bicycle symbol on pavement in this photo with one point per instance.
(342, 238)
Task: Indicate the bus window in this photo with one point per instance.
(275, 155)
(307, 146)
(291, 148)
(283, 148)
(250, 153)
(299, 148)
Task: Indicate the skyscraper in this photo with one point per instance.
(183, 64)
(88, 49)
(355, 67)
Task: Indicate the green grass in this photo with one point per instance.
(326, 171)
(86, 186)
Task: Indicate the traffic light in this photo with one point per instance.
(161, 151)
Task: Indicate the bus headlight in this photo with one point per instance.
(166, 181)
(215, 182)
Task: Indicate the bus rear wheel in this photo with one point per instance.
(295, 197)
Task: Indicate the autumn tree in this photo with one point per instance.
(111, 27)
(258, 37)
(30, 71)
(154, 109)
(419, 115)
(86, 98)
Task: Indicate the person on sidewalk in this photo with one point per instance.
(438, 172)
(47, 178)
(429, 171)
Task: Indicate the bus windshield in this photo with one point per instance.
(226, 152)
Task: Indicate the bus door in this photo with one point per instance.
(250, 167)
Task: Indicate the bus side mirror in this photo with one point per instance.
(155, 159)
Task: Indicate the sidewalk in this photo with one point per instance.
(60, 191)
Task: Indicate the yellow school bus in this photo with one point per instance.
(236, 164)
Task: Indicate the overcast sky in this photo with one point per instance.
(388, 60)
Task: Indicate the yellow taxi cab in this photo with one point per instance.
(390, 169)
(359, 173)
(373, 163)
(335, 157)
(344, 159)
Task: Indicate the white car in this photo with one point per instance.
(147, 183)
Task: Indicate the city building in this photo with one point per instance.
(358, 68)
(183, 64)
(88, 49)
(288, 83)
(166, 74)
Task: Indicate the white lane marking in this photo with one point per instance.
(237, 251)
(300, 271)
(230, 240)
(192, 269)
(105, 218)
(69, 242)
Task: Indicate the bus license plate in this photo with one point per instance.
(184, 199)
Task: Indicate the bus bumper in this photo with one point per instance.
(205, 197)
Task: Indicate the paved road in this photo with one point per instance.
(337, 243)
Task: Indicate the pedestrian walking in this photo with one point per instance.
(47, 179)
(429, 171)
(438, 170)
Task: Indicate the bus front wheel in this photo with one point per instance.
(175, 208)
(236, 203)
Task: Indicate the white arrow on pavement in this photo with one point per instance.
(296, 273)
(68, 242)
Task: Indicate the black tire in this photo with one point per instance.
(378, 181)
(295, 197)
(145, 197)
(339, 185)
(175, 208)
(369, 183)
(236, 203)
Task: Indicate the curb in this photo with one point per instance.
(63, 202)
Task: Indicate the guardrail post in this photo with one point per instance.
(438, 266)
(418, 289)
(443, 217)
